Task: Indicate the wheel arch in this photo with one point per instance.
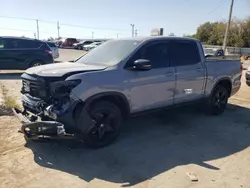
(35, 60)
(119, 99)
(225, 82)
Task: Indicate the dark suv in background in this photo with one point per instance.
(23, 53)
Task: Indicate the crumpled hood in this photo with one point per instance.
(60, 69)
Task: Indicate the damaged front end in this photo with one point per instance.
(47, 108)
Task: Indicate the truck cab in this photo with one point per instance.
(95, 93)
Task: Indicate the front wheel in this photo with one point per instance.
(79, 47)
(35, 64)
(218, 100)
(106, 123)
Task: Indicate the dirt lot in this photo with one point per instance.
(153, 151)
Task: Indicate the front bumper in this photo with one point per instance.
(41, 129)
(41, 120)
(56, 123)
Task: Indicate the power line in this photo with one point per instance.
(96, 28)
(2, 28)
(65, 24)
(221, 3)
(11, 17)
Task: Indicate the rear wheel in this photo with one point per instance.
(106, 122)
(79, 47)
(218, 100)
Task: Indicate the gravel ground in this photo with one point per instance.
(153, 151)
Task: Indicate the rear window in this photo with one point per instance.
(184, 53)
(51, 44)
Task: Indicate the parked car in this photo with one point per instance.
(213, 52)
(54, 49)
(246, 57)
(80, 45)
(66, 42)
(91, 46)
(88, 99)
(22, 53)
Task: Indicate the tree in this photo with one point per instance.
(204, 32)
(213, 33)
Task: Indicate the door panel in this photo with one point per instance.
(190, 72)
(151, 89)
(190, 81)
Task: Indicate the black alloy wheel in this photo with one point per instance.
(219, 100)
(106, 122)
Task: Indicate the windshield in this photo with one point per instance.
(109, 53)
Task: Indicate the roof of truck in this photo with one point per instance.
(149, 38)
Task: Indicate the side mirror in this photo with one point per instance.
(142, 64)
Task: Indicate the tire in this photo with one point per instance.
(218, 100)
(248, 83)
(105, 127)
(79, 47)
(36, 63)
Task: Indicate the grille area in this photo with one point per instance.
(35, 88)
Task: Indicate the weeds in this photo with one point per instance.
(9, 101)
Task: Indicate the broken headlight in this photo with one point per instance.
(63, 88)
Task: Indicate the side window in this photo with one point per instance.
(12, 43)
(21, 43)
(156, 53)
(184, 53)
(2, 44)
(28, 44)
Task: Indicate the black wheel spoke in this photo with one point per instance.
(102, 125)
(219, 100)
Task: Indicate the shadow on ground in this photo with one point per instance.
(149, 146)
(11, 76)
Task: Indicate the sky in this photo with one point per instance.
(112, 18)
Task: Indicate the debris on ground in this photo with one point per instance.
(192, 177)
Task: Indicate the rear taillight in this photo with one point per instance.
(48, 51)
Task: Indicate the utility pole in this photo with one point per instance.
(133, 29)
(228, 26)
(136, 32)
(37, 29)
(34, 35)
(58, 30)
(93, 34)
(117, 35)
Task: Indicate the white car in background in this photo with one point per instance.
(54, 49)
(91, 46)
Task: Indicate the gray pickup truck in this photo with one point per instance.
(89, 98)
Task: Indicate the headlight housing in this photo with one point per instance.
(63, 88)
